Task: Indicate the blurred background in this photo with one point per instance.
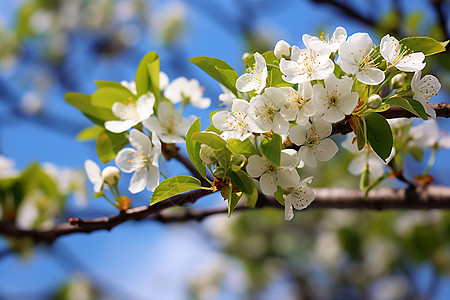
(50, 47)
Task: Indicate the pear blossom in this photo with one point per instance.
(428, 135)
(264, 111)
(272, 176)
(163, 80)
(94, 175)
(312, 139)
(402, 58)
(425, 88)
(306, 65)
(170, 126)
(365, 157)
(234, 122)
(131, 114)
(130, 85)
(184, 90)
(336, 99)
(142, 160)
(298, 106)
(68, 180)
(300, 197)
(7, 167)
(357, 56)
(282, 49)
(255, 78)
(332, 45)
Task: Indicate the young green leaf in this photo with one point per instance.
(242, 181)
(105, 97)
(193, 148)
(427, 45)
(271, 148)
(410, 105)
(109, 144)
(219, 70)
(147, 75)
(211, 139)
(245, 147)
(233, 202)
(174, 186)
(83, 103)
(89, 133)
(359, 129)
(279, 195)
(379, 134)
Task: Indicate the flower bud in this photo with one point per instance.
(282, 49)
(207, 155)
(398, 81)
(374, 101)
(219, 172)
(111, 175)
(237, 162)
(245, 57)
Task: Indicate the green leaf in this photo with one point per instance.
(410, 105)
(416, 153)
(233, 202)
(359, 129)
(174, 186)
(211, 128)
(427, 45)
(245, 147)
(271, 148)
(109, 144)
(89, 133)
(147, 75)
(211, 139)
(193, 148)
(107, 96)
(110, 84)
(83, 103)
(279, 195)
(219, 70)
(242, 181)
(252, 198)
(379, 134)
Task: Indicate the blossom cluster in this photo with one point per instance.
(319, 88)
(165, 123)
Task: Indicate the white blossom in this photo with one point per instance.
(298, 106)
(7, 167)
(226, 98)
(186, 91)
(300, 197)
(255, 78)
(425, 88)
(264, 111)
(357, 56)
(131, 114)
(234, 122)
(306, 65)
(170, 126)
(272, 176)
(94, 175)
(142, 160)
(428, 135)
(402, 58)
(314, 144)
(324, 42)
(336, 99)
(130, 85)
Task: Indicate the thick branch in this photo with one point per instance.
(442, 110)
(433, 197)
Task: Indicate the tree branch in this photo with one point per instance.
(442, 110)
(420, 197)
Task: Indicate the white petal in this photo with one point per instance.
(124, 160)
(245, 83)
(140, 141)
(94, 174)
(138, 181)
(257, 165)
(287, 178)
(152, 177)
(152, 124)
(371, 76)
(298, 133)
(347, 103)
(323, 128)
(268, 183)
(308, 156)
(333, 114)
(412, 62)
(120, 126)
(326, 149)
(280, 125)
(144, 106)
(289, 158)
(288, 210)
(358, 164)
(303, 198)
